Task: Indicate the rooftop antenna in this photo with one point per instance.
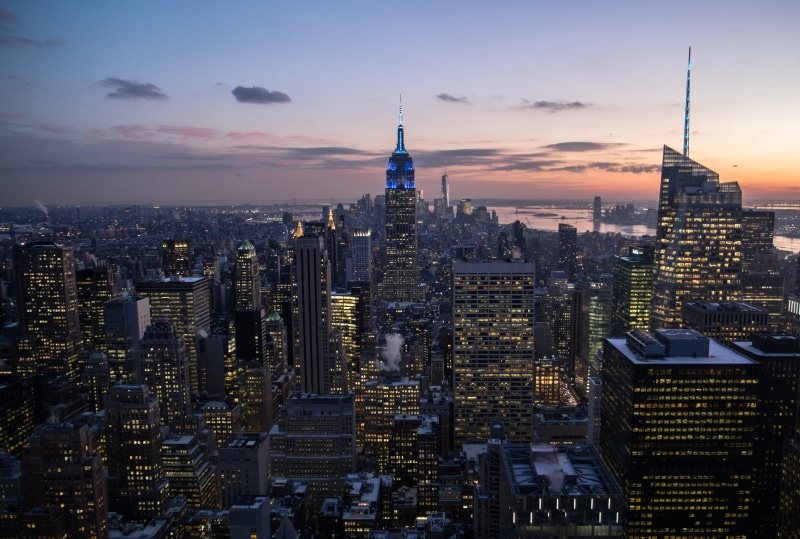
(401, 109)
(686, 119)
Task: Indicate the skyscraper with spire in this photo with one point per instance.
(698, 252)
(401, 281)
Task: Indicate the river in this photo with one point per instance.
(549, 217)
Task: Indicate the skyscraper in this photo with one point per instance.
(362, 255)
(125, 321)
(319, 373)
(633, 290)
(184, 301)
(63, 470)
(698, 251)
(136, 483)
(401, 281)
(248, 281)
(568, 250)
(493, 352)
(165, 370)
(678, 421)
(176, 257)
(47, 294)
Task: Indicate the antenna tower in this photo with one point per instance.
(686, 119)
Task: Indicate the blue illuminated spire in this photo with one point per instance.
(400, 147)
(686, 119)
(400, 171)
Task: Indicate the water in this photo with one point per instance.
(549, 217)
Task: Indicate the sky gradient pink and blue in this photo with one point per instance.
(255, 101)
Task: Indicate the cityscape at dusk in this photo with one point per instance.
(192, 102)
(399, 271)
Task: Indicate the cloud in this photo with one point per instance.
(551, 106)
(7, 20)
(257, 94)
(447, 98)
(188, 131)
(131, 89)
(580, 146)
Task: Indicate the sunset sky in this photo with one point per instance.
(195, 101)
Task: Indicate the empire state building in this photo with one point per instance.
(401, 281)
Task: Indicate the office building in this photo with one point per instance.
(548, 490)
(758, 232)
(126, 318)
(165, 370)
(247, 278)
(568, 250)
(176, 258)
(95, 287)
(678, 433)
(401, 279)
(597, 209)
(319, 369)
(362, 255)
(16, 413)
(47, 297)
(243, 467)
(347, 319)
(250, 517)
(595, 325)
(137, 486)
(314, 440)
(633, 290)
(184, 301)
(698, 251)
(376, 406)
(726, 321)
(62, 469)
(189, 471)
(493, 349)
(778, 357)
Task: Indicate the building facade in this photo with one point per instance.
(493, 348)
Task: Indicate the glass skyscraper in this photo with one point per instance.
(698, 252)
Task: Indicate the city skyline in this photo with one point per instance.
(179, 103)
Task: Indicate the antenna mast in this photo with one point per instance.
(686, 119)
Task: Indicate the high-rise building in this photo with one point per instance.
(698, 252)
(725, 322)
(758, 232)
(597, 209)
(62, 469)
(176, 258)
(319, 372)
(678, 424)
(189, 471)
(633, 290)
(243, 466)
(248, 280)
(95, 286)
(362, 255)
(493, 352)
(126, 319)
(47, 297)
(568, 250)
(184, 301)
(401, 280)
(778, 356)
(137, 487)
(347, 309)
(595, 325)
(314, 440)
(165, 370)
